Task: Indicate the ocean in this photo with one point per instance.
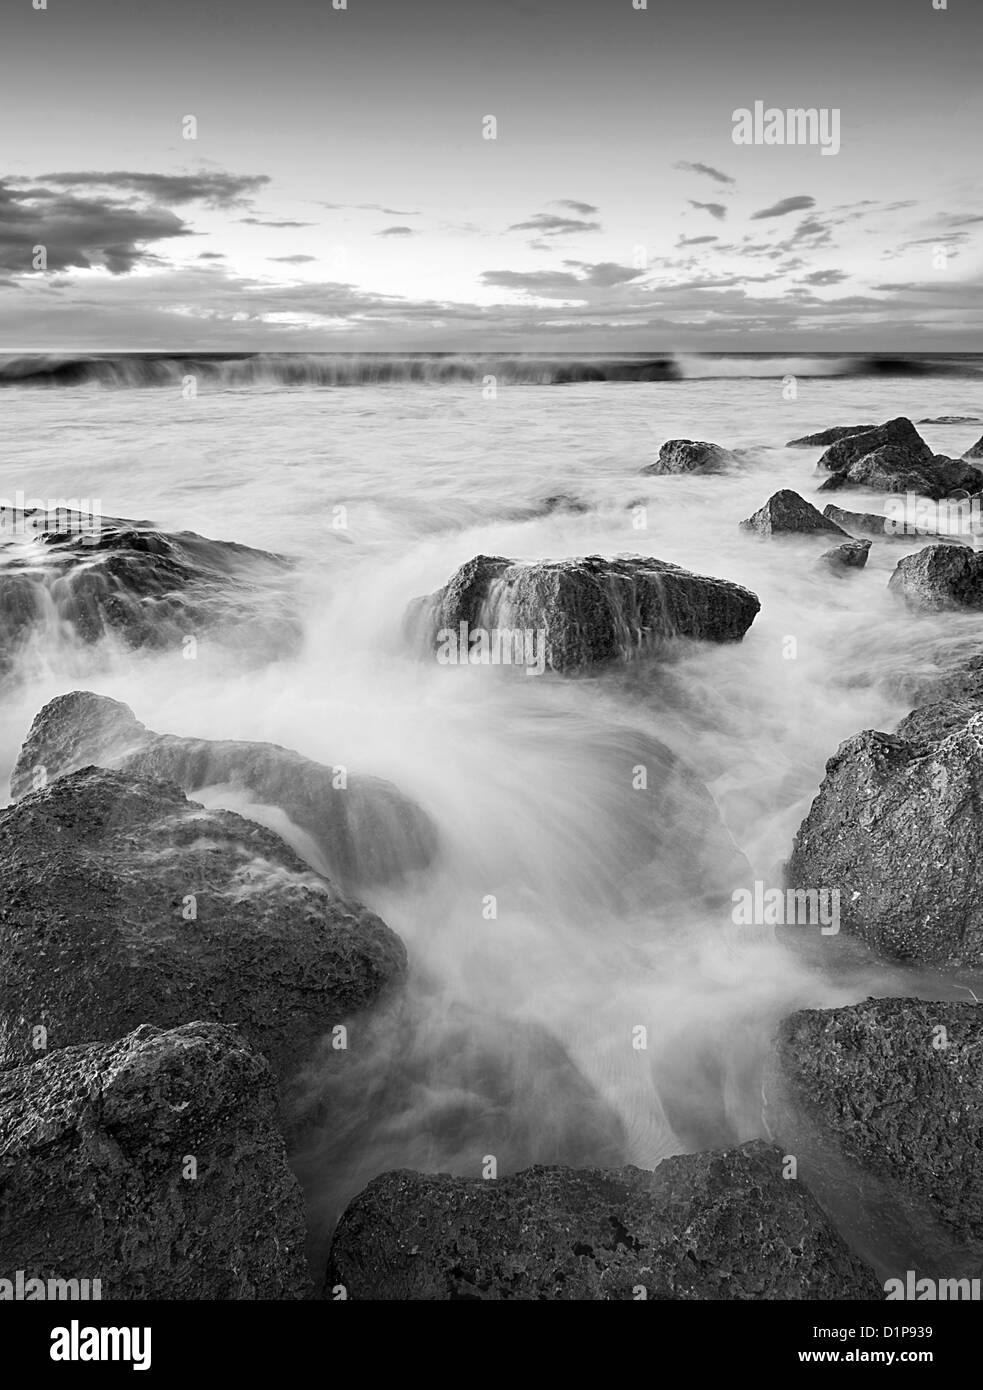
(378, 479)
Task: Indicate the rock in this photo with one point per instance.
(895, 829)
(975, 451)
(893, 457)
(148, 589)
(949, 420)
(564, 502)
(123, 903)
(95, 1147)
(717, 1225)
(891, 525)
(851, 556)
(367, 831)
(591, 610)
(786, 513)
(946, 702)
(899, 1084)
(830, 436)
(940, 577)
(690, 456)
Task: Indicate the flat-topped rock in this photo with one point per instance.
(722, 1224)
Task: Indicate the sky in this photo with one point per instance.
(340, 192)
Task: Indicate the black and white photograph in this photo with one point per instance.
(491, 671)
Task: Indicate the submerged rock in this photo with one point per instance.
(898, 1083)
(895, 828)
(949, 420)
(891, 525)
(851, 556)
(940, 577)
(146, 589)
(717, 1225)
(367, 830)
(830, 436)
(893, 457)
(786, 513)
(691, 456)
(152, 1163)
(121, 903)
(589, 611)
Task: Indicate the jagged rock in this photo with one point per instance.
(940, 577)
(123, 903)
(366, 829)
(975, 451)
(786, 513)
(591, 610)
(96, 1182)
(850, 556)
(893, 457)
(946, 702)
(716, 1225)
(830, 436)
(895, 829)
(898, 1084)
(690, 456)
(147, 589)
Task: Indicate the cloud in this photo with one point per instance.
(368, 207)
(293, 260)
(79, 233)
(695, 240)
(216, 190)
(704, 169)
(277, 222)
(716, 210)
(797, 204)
(546, 284)
(584, 209)
(397, 231)
(605, 273)
(824, 277)
(548, 224)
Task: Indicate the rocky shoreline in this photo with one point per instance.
(167, 968)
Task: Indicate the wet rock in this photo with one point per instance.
(365, 828)
(691, 456)
(893, 457)
(147, 589)
(895, 829)
(591, 611)
(940, 577)
(830, 436)
(121, 903)
(949, 420)
(786, 513)
(97, 1145)
(891, 525)
(717, 1225)
(898, 1083)
(975, 451)
(850, 556)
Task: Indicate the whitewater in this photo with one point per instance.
(516, 1035)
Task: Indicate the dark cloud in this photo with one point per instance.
(716, 210)
(796, 204)
(545, 284)
(605, 273)
(396, 231)
(707, 169)
(824, 277)
(79, 233)
(217, 190)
